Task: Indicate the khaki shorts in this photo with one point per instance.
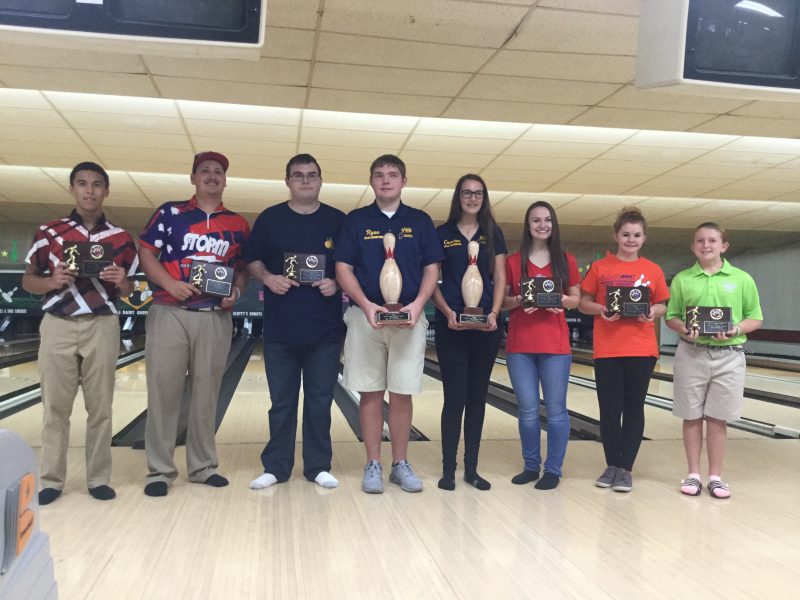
(708, 383)
(389, 358)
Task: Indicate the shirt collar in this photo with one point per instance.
(193, 204)
(375, 210)
(76, 216)
(726, 269)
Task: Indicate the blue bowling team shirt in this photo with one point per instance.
(360, 245)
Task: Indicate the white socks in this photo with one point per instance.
(326, 480)
(263, 481)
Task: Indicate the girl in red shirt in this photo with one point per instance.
(537, 347)
(625, 348)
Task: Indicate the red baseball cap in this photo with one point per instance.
(210, 155)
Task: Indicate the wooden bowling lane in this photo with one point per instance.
(297, 540)
(19, 376)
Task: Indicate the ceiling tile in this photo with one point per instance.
(677, 139)
(524, 112)
(570, 31)
(86, 82)
(227, 146)
(77, 149)
(73, 59)
(129, 105)
(446, 21)
(748, 159)
(358, 121)
(383, 52)
(281, 42)
(731, 172)
(243, 130)
(241, 113)
(574, 133)
(751, 126)
(389, 142)
(116, 122)
(387, 80)
(276, 71)
(62, 135)
(619, 7)
(471, 128)
(153, 141)
(29, 117)
(562, 65)
(653, 153)
(299, 14)
(463, 160)
(641, 167)
(392, 104)
(558, 149)
(540, 163)
(466, 145)
(639, 119)
(233, 92)
(144, 153)
(765, 144)
(23, 99)
(528, 89)
(630, 96)
(502, 177)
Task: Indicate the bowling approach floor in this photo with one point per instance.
(296, 540)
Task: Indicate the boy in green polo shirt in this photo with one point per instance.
(709, 372)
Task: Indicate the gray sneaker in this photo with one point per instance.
(606, 480)
(623, 482)
(373, 478)
(404, 476)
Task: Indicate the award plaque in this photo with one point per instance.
(540, 292)
(473, 318)
(305, 269)
(708, 320)
(212, 278)
(627, 301)
(87, 259)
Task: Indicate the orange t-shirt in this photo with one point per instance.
(626, 336)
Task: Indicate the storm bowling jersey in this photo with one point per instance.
(182, 232)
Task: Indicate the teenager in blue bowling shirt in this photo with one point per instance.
(302, 325)
(466, 356)
(379, 357)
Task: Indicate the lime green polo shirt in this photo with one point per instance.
(729, 286)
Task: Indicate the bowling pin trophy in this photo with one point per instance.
(472, 291)
(391, 282)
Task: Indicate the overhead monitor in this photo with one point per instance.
(743, 48)
(229, 28)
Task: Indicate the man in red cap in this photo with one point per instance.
(188, 329)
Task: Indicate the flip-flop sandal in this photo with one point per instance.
(719, 489)
(691, 486)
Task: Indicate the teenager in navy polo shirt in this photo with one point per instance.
(378, 357)
(189, 331)
(302, 324)
(466, 356)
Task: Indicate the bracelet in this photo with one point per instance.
(491, 312)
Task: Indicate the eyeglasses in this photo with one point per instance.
(468, 194)
(298, 177)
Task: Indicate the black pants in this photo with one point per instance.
(466, 359)
(621, 387)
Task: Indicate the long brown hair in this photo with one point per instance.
(558, 259)
(486, 220)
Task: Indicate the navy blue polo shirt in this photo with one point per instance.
(456, 260)
(302, 315)
(360, 245)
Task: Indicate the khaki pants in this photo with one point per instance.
(77, 350)
(184, 350)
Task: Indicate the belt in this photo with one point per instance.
(202, 308)
(733, 347)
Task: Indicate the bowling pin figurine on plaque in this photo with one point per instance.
(391, 283)
(472, 291)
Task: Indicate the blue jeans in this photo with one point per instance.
(319, 365)
(527, 371)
